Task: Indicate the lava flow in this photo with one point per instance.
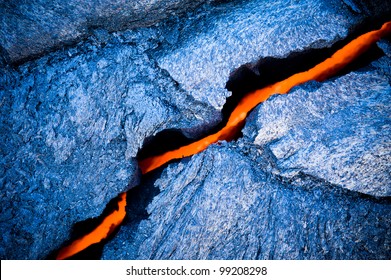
(320, 72)
(109, 224)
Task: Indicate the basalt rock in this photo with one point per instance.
(32, 28)
(72, 124)
(338, 131)
(205, 49)
(73, 121)
(262, 197)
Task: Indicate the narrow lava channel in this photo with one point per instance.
(324, 70)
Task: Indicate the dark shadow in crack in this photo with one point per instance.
(138, 198)
(266, 71)
(82, 228)
(269, 70)
(245, 79)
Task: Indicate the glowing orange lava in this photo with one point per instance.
(320, 72)
(109, 224)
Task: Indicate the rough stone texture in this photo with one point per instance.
(72, 124)
(338, 131)
(73, 121)
(223, 204)
(30, 28)
(368, 6)
(276, 193)
(291, 188)
(242, 32)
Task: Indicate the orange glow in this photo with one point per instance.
(320, 72)
(109, 224)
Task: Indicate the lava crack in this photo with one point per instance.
(320, 72)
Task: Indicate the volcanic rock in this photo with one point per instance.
(206, 48)
(73, 121)
(338, 132)
(32, 28)
(262, 197)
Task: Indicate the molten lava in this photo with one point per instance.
(320, 72)
(109, 224)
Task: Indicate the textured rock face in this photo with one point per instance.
(338, 132)
(73, 121)
(244, 32)
(72, 128)
(30, 28)
(62, 155)
(262, 198)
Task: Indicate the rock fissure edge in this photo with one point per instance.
(320, 72)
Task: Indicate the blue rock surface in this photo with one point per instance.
(262, 198)
(73, 121)
(33, 28)
(71, 129)
(207, 47)
(337, 131)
